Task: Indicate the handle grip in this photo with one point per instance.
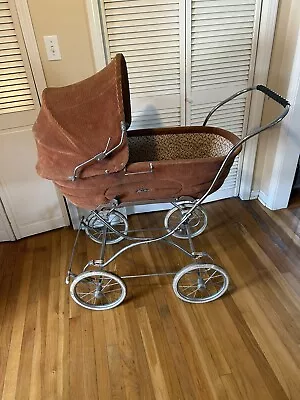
(276, 97)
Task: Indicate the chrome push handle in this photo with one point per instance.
(274, 96)
(261, 88)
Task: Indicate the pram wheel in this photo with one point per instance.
(98, 290)
(95, 229)
(195, 224)
(200, 283)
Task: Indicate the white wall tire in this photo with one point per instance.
(197, 222)
(98, 290)
(200, 283)
(94, 228)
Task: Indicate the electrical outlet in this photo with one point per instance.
(52, 48)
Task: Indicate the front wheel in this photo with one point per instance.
(98, 290)
(200, 283)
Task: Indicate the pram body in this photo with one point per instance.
(76, 122)
(85, 147)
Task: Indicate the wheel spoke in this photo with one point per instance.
(215, 282)
(107, 292)
(185, 286)
(106, 298)
(192, 292)
(188, 278)
(85, 294)
(196, 222)
(200, 283)
(110, 291)
(91, 298)
(210, 277)
(106, 284)
(188, 287)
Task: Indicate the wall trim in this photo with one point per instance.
(262, 66)
(5, 223)
(284, 168)
(93, 13)
(258, 195)
(263, 198)
(41, 226)
(254, 194)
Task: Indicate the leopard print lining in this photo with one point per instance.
(182, 146)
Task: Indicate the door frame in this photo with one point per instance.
(5, 222)
(31, 44)
(284, 168)
(261, 70)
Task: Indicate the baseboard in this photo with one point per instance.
(260, 196)
(41, 226)
(254, 194)
(144, 208)
(263, 198)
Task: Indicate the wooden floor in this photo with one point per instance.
(245, 345)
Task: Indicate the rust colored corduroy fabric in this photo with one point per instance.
(75, 123)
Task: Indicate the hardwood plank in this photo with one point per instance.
(14, 353)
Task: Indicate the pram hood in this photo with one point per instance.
(76, 121)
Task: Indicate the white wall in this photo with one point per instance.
(68, 20)
(286, 35)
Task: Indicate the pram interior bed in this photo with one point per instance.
(85, 146)
(77, 122)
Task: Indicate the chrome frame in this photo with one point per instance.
(101, 263)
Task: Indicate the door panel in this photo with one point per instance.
(148, 34)
(19, 102)
(31, 203)
(222, 39)
(6, 232)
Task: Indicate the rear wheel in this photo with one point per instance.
(94, 227)
(195, 224)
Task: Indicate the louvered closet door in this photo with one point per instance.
(16, 82)
(31, 203)
(147, 32)
(222, 37)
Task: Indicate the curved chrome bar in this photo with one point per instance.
(137, 243)
(213, 110)
(209, 190)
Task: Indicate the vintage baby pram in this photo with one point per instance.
(85, 147)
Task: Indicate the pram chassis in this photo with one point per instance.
(206, 272)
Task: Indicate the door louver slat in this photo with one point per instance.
(147, 33)
(14, 85)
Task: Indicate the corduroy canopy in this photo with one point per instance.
(76, 121)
